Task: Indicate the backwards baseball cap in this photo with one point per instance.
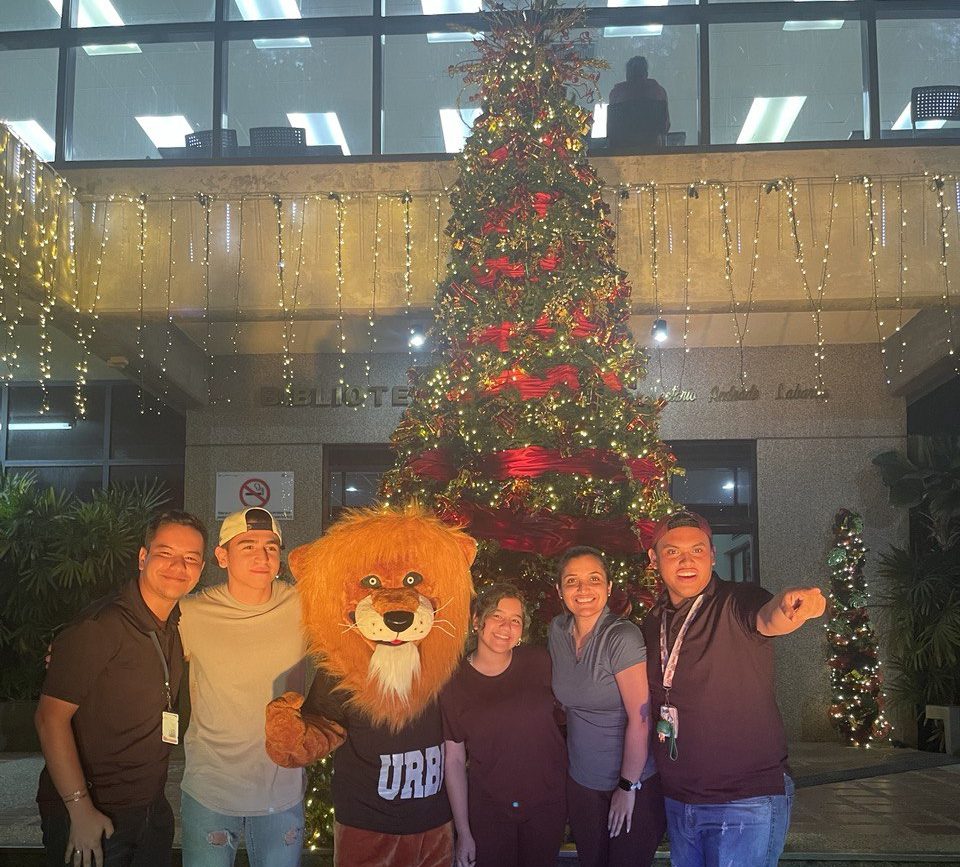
(683, 518)
(249, 519)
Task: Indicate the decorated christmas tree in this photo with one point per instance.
(524, 426)
(855, 676)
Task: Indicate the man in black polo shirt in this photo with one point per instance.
(720, 746)
(107, 712)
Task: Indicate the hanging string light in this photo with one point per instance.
(686, 284)
(286, 360)
(341, 335)
(168, 309)
(873, 252)
(11, 351)
(406, 199)
(372, 309)
(205, 203)
(142, 251)
(83, 364)
(655, 274)
(739, 330)
(939, 183)
(235, 332)
(290, 309)
(816, 303)
(902, 282)
(46, 275)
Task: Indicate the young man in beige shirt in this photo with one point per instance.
(245, 647)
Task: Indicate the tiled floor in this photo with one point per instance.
(848, 801)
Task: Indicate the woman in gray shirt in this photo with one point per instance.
(614, 802)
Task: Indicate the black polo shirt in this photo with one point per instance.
(731, 742)
(106, 663)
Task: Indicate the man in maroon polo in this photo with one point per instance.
(720, 746)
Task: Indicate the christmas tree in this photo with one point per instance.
(855, 677)
(523, 428)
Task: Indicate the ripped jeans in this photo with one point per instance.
(745, 833)
(211, 839)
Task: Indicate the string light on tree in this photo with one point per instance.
(855, 675)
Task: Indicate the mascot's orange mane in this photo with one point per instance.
(386, 606)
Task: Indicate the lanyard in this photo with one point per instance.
(166, 670)
(669, 663)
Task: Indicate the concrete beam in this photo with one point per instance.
(927, 362)
(178, 374)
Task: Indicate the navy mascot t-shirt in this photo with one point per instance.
(385, 781)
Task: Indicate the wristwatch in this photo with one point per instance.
(627, 786)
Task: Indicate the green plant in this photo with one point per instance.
(927, 478)
(920, 602)
(58, 554)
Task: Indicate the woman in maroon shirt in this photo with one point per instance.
(498, 712)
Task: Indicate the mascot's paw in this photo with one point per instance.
(294, 740)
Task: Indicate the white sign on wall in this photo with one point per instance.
(270, 491)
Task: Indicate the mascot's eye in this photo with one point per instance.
(371, 581)
(412, 579)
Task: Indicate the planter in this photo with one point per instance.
(17, 734)
(949, 715)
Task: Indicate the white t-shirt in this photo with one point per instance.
(241, 657)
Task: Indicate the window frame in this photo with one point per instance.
(222, 29)
(106, 462)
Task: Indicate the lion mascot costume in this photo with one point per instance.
(386, 605)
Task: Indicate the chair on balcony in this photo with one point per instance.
(636, 124)
(202, 140)
(277, 140)
(936, 102)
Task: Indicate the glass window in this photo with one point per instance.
(425, 110)
(351, 476)
(321, 87)
(772, 83)
(734, 556)
(82, 481)
(28, 96)
(30, 15)
(915, 54)
(137, 436)
(140, 101)
(671, 53)
(57, 434)
(262, 10)
(171, 477)
(116, 13)
(450, 7)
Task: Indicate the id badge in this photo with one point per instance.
(170, 728)
(669, 713)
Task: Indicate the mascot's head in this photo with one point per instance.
(386, 605)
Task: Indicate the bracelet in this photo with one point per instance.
(73, 797)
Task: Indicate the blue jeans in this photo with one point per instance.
(745, 833)
(210, 839)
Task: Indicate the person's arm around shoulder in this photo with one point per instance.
(789, 610)
(87, 824)
(455, 777)
(635, 692)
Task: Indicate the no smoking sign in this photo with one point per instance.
(255, 490)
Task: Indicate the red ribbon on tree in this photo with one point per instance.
(542, 201)
(542, 328)
(612, 381)
(583, 327)
(549, 263)
(499, 155)
(499, 334)
(532, 461)
(549, 533)
(435, 464)
(532, 386)
(500, 265)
